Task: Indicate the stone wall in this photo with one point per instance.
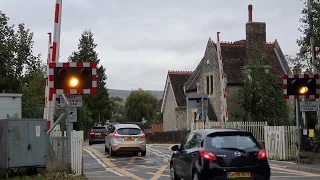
(169, 113)
(181, 116)
(256, 41)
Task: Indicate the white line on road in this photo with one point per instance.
(102, 164)
(159, 152)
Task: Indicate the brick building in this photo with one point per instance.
(205, 78)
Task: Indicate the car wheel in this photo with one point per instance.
(173, 175)
(90, 143)
(112, 153)
(143, 153)
(106, 149)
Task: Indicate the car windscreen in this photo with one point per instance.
(128, 131)
(99, 129)
(231, 140)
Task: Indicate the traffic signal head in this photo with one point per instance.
(301, 86)
(73, 78)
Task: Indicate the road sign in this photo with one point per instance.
(74, 100)
(308, 106)
(73, 115)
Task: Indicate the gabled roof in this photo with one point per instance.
(234, 56)
(176, 79)
(191, 83)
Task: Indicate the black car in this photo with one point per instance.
(97, 134)
(219, 154)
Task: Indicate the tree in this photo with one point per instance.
(118, 109)
(300, 61)
(140, 104)
(309, 18)
(20, 71)
(261, 97)
(8, 80)
(98, 104)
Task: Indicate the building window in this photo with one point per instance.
(211, 84)
(208, 85)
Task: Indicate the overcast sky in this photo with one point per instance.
(140, 40)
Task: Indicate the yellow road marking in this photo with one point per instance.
(162, 175)
(295, 171)
(149, 145)
(130, 169)
(132, 159)
(158, 174)
(111, 165)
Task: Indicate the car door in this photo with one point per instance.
(189, 154)
(179, 162)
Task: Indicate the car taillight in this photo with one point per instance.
(208, 155)
(262, 154)
(143, 135)
(91, 133)
(115, 135)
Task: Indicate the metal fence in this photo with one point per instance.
(167, 137)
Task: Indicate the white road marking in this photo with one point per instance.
(159, 152)
(102, 164)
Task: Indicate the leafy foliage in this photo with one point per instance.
(21, 71)
(118, 110)
(261, 97)
(98, 104)
(309, 18)
(140, 104)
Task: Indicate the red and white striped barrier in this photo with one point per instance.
(222, 82)
(53, 56)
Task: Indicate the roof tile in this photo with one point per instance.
(177, 79)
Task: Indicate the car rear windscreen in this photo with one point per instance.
(129, 131)
(239, 141)
(98, 128)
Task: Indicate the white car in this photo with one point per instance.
(125, 138)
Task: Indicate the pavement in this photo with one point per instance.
(155, 165)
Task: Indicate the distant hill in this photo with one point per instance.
(125, 93)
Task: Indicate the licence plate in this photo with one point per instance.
(97, 134)
(239, 174)
(129, 139)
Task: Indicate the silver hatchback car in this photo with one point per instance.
(125, 138)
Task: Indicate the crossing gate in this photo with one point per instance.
(256, 128)
(76, 152)
(281, 142)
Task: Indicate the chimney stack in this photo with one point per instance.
(255, 39)
(250, 13)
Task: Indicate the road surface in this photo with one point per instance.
(154, 166)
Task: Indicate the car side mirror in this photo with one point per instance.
(175, 148)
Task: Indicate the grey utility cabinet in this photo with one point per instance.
(23, 143)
